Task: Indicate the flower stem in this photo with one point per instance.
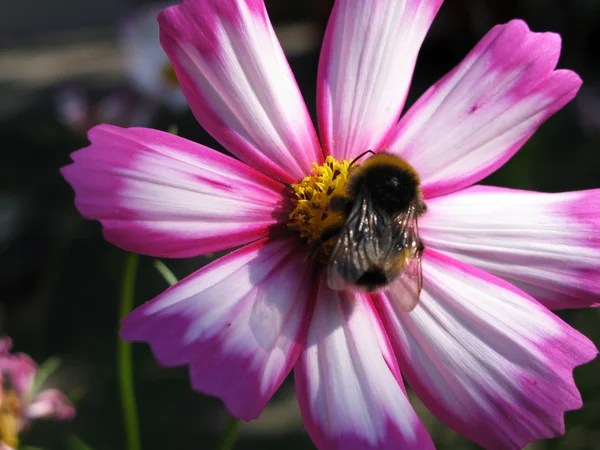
(233, 426)
(165, 272)
(125, 363)
(230, 435)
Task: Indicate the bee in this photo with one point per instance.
(378, 244)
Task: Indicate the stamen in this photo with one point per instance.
(10, 410)
(313, 216)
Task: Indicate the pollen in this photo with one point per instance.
(10, 410)
(313, 217)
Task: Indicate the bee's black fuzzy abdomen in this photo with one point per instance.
(372, 279)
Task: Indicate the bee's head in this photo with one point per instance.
(392, 184)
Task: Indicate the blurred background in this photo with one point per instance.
(68, 66)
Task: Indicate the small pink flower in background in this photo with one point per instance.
(19, 403)
(151, 80)
(148, 68)
(123, 107)
(481, 349)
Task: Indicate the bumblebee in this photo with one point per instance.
(378, 243)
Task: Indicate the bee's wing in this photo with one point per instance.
(363, 241)
(406, 251)
(406, 289)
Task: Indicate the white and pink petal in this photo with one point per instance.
(239, 85)
(162, 195)
(475, 118)
(50, 403)
(348, 383)
(366, 66)
(17, 370)
(484, 357)
(546, 244)
(239, 323)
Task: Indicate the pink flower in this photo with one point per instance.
(151, 80)
(19, 402)
(482, 348)
(147, 67)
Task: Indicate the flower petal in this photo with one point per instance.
(238, 83)
(475, 118)
(50, 403)
(19, 367)
(485, 358)
(546, 244)
(365, 70)
(162, 195)
(349, 386)
(239, 323)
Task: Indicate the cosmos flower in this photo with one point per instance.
(19, 402)
(482, 348)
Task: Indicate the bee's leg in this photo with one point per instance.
(313, 249)
(315, 245)
(341, 204)
(328, 234)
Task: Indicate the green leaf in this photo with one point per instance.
(77, 444)
(49, 366)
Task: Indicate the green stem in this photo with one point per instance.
(165, 272)
(230, 435)
(125, 363)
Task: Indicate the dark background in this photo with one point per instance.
(60, 281)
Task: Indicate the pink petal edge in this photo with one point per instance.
(239, 323)
(348, 383)
(50, 403)
(162, 195)
(485, 358)
(239, 85)
(546, 244)
(474, 119)
(366, 65)
(18, 367)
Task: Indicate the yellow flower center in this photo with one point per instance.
(169, 76)
(10, 411)
(312, 214)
